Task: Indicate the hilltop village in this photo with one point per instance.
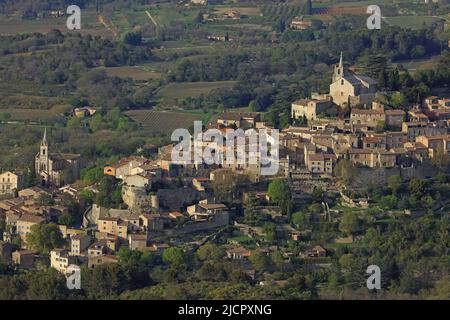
(151, 205)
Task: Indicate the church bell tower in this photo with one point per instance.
(338, 70)
(44, 145)
(42, 159)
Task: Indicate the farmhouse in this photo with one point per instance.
(300, 23)
(204, 210)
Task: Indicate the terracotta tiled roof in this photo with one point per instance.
(31, 218)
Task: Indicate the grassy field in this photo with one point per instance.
(89, 25)
(22, 101)
(14, 26)
(334, 245)
(411, 22)
(137, 73)
(165, 14)
(173, 91)
(352, 3)
(161, 122)
(55, 114)
(418, 64)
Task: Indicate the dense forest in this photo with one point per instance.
(412, 254)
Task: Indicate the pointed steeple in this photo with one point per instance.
(44, 144)
(44, 138)
(338, 70)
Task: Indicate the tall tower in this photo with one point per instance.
(42, 158)
(338, 70)
(44, 145)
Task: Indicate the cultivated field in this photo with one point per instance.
(22, 101)
(137, 73)
(54, 115)
(161, 122)
(14, 25)
(173, 91)
(411, 22)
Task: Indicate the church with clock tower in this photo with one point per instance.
(56, 169)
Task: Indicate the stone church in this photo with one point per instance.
(350, 87)
(56, 169)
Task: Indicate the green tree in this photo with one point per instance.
(87, 195)
(395, 184)
(398, 100)
(417, 187)
(47, 285)
(277, 260)
(349, 223)
(109, 192)
(210, 251)
(45, 237)
(280, 193)
(300, 219)
(394, 79)
(251, 216)
(270, 232)
(173, 256)
(66, 219)
(346, 260)
(133, 38)
(126, 255)
(92, 175)
(74, 123)
(388, 202)
(259, 260)
(374, 65)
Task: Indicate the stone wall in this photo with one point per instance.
(381, 175)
